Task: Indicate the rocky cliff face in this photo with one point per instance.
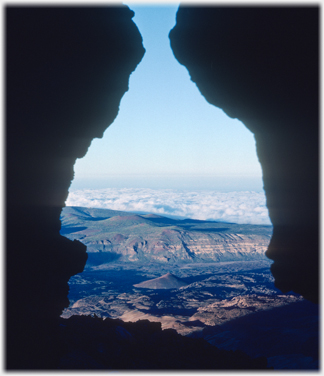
(260, 65)
(67, 69)
(173, 245)
(112, 235)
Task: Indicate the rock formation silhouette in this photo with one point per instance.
(67, 69)
(96, 343)
(260, 65)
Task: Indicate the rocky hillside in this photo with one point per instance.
(113, 235)
(167, 281)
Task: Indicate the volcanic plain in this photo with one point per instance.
(203, 279)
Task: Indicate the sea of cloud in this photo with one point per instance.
(237, 207)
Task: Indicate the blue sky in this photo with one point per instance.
(166, 135)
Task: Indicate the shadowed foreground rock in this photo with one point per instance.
(67, 69)
(260, 65)
(95, 343)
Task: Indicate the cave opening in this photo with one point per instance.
(168, 163)
(168, 153)
(52, 79)
(166, 135)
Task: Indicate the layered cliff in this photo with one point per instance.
(114, 235)
(260, 65)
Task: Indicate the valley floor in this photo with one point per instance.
(233, 305)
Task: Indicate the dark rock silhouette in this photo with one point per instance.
(67, 69)
(95, 343)
(260, 65)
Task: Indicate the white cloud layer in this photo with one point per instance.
(238, 207)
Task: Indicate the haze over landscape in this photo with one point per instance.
(237, 206)
(169, 151)
(166, 135)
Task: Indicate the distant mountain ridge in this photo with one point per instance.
(115, 235)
